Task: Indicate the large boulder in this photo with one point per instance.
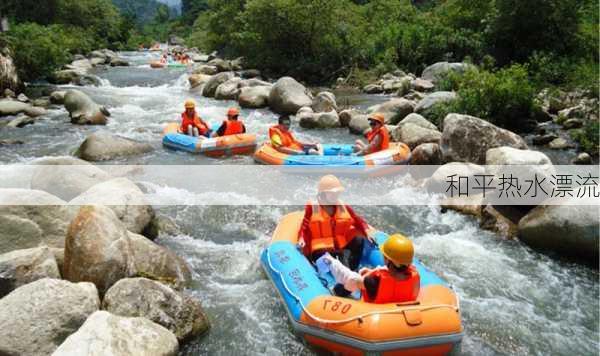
(324, 102)
(67, 76)
(393, 110)
(321, 120)
(359, 124)
(112, 335)
(80, 64)
(467, 138)
(206, 69)
(142, 297)
(426, 154)
(287, 96)
(20, 267)
(400, 86)
(99, 249)
(373, 89)
(102, 146)
(211, 86)
(198, 79)
(124, 198)
(537, 162)
(237, 64)
(14, 107)
(37, 317)
(418, 120)
(29, 218)
(567, 230)
(83, 110)
(9, 78)
(414, 135)
(425, 106)
(422, 85)
(228, 90)
(440, 180)
(254, 97)
(65, 177)
(58, 97)
(176, 41)
(221, 65)
(119, 62)
(438, 71)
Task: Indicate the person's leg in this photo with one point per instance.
(190, 130)
(196, 132)
(353, 253)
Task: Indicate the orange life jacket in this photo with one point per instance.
(385, 138)
(287, 139)
(392, 289)
(195, 122)
(330, 233)
(233, 127)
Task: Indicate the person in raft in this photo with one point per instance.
(191, 123)
(330, 226)
(397, 281)
(231, 126)
(283, 141)
(378, 137)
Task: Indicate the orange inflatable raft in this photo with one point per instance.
(429, 326)
(157, 64)
(213, 147)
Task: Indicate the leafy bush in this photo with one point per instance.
(505, 97)
(588, 137)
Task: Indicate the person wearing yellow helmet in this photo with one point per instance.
(397, 281)
(331, 226)
(191, 123)
(378, 137)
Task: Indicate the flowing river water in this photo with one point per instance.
(514, 301)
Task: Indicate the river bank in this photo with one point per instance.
(494, 277)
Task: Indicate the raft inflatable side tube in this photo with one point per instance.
(338, 157)
(213, 147)
(429, 326)
(157, 65)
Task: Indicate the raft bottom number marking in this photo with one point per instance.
(334, 306)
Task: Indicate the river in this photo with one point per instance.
(514, 301)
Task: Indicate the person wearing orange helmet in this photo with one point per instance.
(282, 139)
(378, 137)
(330, 226)
(231, 126)
(191, 123)
(398, 281)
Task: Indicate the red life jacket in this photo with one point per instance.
(392, 289)
(287, 139)
(385, 138)
(330, 233)
(233, 127)
(196, 121)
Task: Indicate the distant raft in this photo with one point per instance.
(429, 326)
(338, 158)
(213, 147)
(157, 64)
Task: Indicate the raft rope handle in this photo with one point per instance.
(357, 317)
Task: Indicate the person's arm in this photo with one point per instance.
(304, 235)
(371, 146)
(221, 129)
(359, 222)
(243, 128)
(371, 284)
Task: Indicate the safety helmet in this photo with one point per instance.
(377, 117)
(330, 183)
(399, 250)
(233, 112)
(190, 104)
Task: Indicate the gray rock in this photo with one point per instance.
(347, 115)
(80, 64)
(426, 154)
(324, 102)
(400, 86)
(438, 182)
(176, 41)
(512, 156)
(359, 124)
(418, 120)
(393, 110)
(254, 97)
(414, 135)
(58, 97)
(467, 138)
(560, 144)
(119, 62)
(196, 80)
(437, 71)
(583, 158)
(102, 146)
(228, 90)
(23, 98)
(237, 64)
(66, 177)
(37, 317)
(20, 267)
(83, 110)
(287, 96)
(321, 120)
(568, 230)
(9, 78)
(422, 85)
(572, 124)
(124, 198)
(141, 297)
(67, 76)
(110, 335)
(12, 107)
(572, 112)
(373, 89)
(206, 69)
(21, 121)
(97, 61)
(221, 65)
(434, 99)
(211, 86)
(29, 218)
(540, 140)
(43, 102)
(249, 73)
